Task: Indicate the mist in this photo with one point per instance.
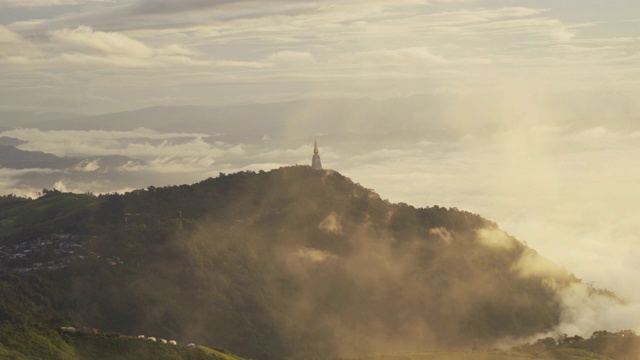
(567, 191)
(525, 115)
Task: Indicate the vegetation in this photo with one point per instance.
(31, 343)
(485, 355)
(118, 347)
(622, 345)
(25, 219)
(602, 345)
(288, 264)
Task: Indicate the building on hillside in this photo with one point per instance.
(315, 160)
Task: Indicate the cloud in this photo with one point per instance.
(139, 143)
(331, 224)
(60, 186)
(240, 64)
(397, 57)
(375, 48)
(84, 38)
(531, 264)
(112, 48)
(7, 36)
(173, 165)
(495, 238)
(8, 181)
(166, 157)
(12, 44)
(11, 181)
(568, 192)
(88, 166)
(583, 313)
(442, 233)
(291, 58)
(562, 34)
(45, 3)
(548, 27)
(314, 255)
(83, 47)
(154, 7)
(478, 16)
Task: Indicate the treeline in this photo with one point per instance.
(621, 345)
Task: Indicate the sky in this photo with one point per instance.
(539, 97)
(102, 56)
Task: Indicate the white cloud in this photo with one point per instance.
(583, 314)
(397, 57)
(562, 34)
(83, 47)
(60, 186)
(139, 143)
(174, 165)
(84, 38)
(88, 166)
(291, 58)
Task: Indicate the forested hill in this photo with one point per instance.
(292, 263)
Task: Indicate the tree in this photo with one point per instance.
(599, 333)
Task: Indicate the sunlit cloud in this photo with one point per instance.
(84, 38)
(83, 47)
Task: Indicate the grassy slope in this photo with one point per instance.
(33, 343)
(105, 347)
(25, 219)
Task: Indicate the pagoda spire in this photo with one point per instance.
(315, 160)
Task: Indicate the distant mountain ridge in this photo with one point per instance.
(14, 158)
(291, 119)
(293, 263)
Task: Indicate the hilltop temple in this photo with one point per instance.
(315, 160)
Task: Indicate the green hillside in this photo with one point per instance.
(23, 220)
(288, 264)
(38, 344)
(28, 330)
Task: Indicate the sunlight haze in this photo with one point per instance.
(524, 112)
